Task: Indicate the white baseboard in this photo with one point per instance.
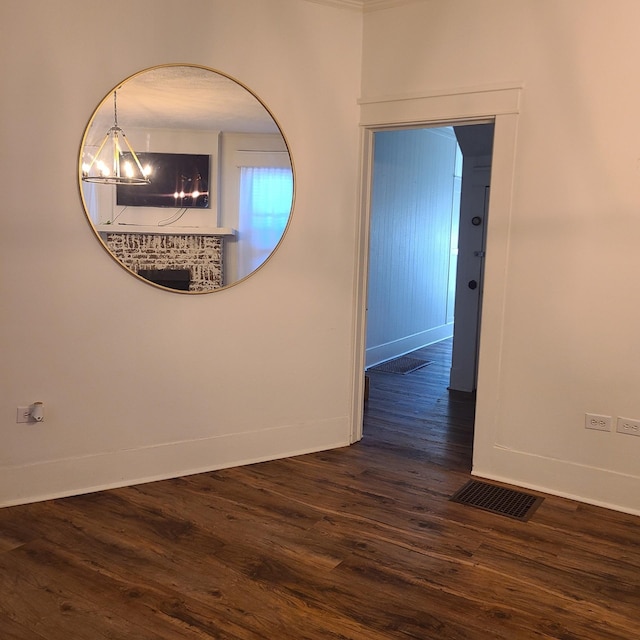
(73, 476)
(395, 348)
(592, 485)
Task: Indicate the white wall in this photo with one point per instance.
(561, 329)
(138, 382)
(412, 207)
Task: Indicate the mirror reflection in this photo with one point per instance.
(186, 178)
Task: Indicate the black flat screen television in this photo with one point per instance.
(178, 180)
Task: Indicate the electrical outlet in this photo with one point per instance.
(597, 422)
(23, 414)
(628, 426)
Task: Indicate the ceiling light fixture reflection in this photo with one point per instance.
(113, 165)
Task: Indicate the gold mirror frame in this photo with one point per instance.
(184, 111)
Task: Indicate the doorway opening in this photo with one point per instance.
(428, 210)
(496, 104)
(429, 197)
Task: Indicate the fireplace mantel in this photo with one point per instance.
(168, 230)
(143, 248)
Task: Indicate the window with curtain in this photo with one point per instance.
(266, 195)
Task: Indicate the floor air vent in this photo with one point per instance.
(402, 365)
(505, 502)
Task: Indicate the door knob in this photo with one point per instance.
(473, 284)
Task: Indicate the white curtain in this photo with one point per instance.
(266, 195)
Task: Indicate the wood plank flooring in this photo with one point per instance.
(360, 543)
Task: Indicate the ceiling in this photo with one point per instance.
(184, 97)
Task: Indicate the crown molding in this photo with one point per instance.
(378, 5)
(363, 6)
(355, 5)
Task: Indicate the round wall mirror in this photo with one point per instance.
(186, 178)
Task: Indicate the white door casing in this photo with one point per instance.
(499, 105)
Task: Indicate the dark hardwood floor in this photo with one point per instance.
(356, 543)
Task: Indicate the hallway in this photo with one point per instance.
(418, 411)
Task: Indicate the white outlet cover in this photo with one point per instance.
(597, 422)
(629, 426)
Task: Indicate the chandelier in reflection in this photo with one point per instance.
(115, 161)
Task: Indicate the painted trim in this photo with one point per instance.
(444, 106)
(356, 5)
(364, 6)
(383, 352)
(87, 474)
(498, 104)
(531, 471)
(361, 270)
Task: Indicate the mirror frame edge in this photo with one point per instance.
(85, 208)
